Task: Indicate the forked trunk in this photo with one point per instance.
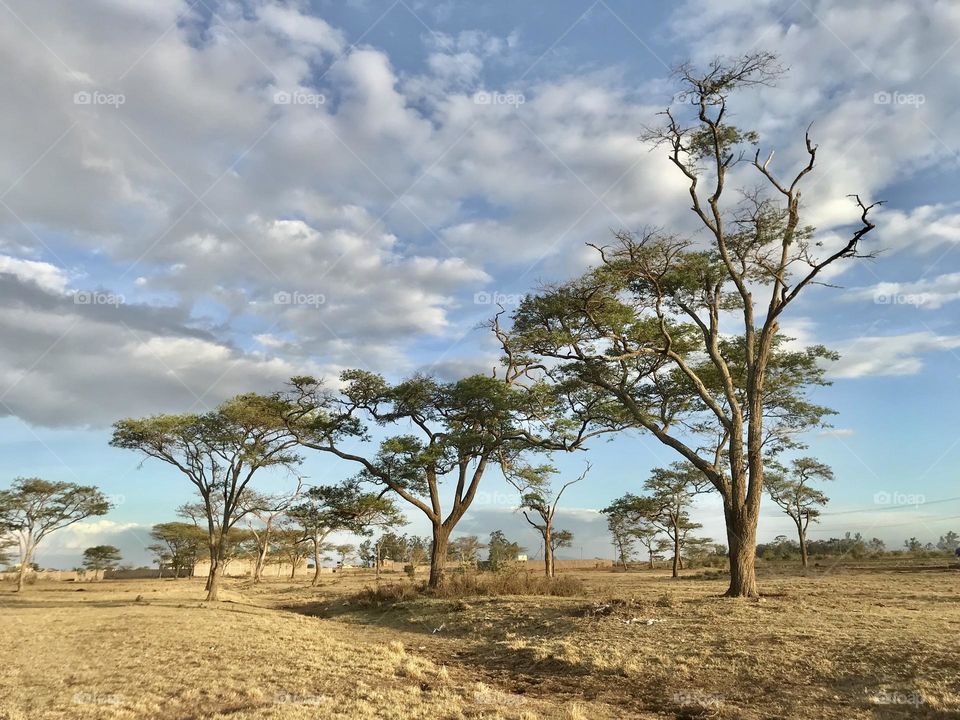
(213, 581)
(438, 555)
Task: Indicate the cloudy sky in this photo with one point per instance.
(199, 198)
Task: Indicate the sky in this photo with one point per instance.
(202, 198)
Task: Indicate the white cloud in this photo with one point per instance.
(891, 355)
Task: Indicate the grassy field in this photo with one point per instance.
(850, 642)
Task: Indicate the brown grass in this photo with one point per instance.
(836, 644)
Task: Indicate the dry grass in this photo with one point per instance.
(851, 643)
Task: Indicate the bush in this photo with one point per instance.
(518, 582)
(474, 584)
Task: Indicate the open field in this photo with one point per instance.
(845, 643)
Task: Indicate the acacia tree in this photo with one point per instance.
(219, 452)
(466, 550)
(791, 490)
(179, 544)
(263, 512)
(33, 508)
(345, 507)
(100, 558)
(460, 429)
(686, 338)
(537, 498)
(630, 519)
(672, 491)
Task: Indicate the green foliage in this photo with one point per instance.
(101, 557)
(501, 551)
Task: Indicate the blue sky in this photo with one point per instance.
(149, 161)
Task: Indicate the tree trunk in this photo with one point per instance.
(24, 566)
(650, 558)
(316, 561)
(676, 551)
(742, 540)
(216, 572)
(803, 544)
(378, 561)
(548, 553)
(438, 555)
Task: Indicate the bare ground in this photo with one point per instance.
(840, 643)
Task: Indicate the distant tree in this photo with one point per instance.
(538, 503)
(501, 551)
(263, 512)
(418, 551)
(632, 519)
(791, 490)
(466, 550)
(292, 546)
(913, 545)
(344, 550)
(876, 546)
(33, 508)
(949, 542)
(672, 491)
(7, 549)
(219, 452)
(179, 544)
(100, 558)
(330, 508)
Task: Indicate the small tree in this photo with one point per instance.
(33, 508)
(219, 452)
(537, 499)
(292, 546)
(672, 491)
(949, 542)
(344, 550)
(913, 545)
(791, 490)
(263, 512)
(501, 551)
(179, 544)
(328, 509)
(466, 550)
(100, 558)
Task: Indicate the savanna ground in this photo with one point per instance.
(841, 642)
